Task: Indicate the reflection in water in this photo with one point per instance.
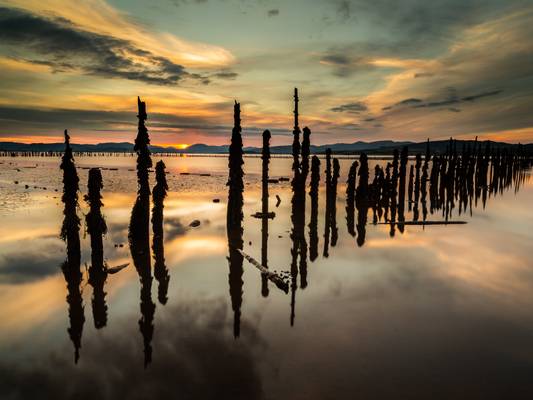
(327, 212)
(234, 219)
(265, 156)
(200, 361)
(96, 227)
(313, 194)
(300, 171)
(139, 232)
(158, 196)
(333, 203)
(70, 233)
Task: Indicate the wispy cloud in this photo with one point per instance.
(351, 108)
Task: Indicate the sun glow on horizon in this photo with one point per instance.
(180, 146)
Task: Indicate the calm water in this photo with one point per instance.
(435, 312)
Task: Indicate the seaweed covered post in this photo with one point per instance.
(70, 233)
(296, 130)
(96, 228)
(393, 192)
(70, 230)
(350, 198)
(361, 200)
(418, 165)
(300, 172)
(234, 219)
(144, 161)
(265, 156)
(158, 196)
(304, 171)
(139, 234)
(401, 188)
(313, 194)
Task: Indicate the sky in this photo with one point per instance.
(365, 69)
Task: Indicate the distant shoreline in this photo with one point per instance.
(382, 147)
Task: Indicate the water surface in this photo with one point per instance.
(438, 311)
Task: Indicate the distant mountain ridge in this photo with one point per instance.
(376, 147)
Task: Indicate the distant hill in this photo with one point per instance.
(377, 147)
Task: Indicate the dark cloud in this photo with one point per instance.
(43, 259)
(409, 102)
(351, 108)
(63, 46)
(344, 63)
(344, 12)
(230, 75)
(55, 120)
(423, 23)
(195, 357)
(273, 13)
(336, 59)
(452, 99)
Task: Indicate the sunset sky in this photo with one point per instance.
(366, 69)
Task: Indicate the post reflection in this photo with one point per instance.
(313, 194)
(139, 234)
(265, 156)
(299, 244)
(70, 233)
(158, 196)
(96, 228)
(234, 217)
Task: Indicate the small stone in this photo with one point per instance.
(194, 223)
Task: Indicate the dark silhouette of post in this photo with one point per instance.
(327, 219)
(401, 188)
(234, 219)
(139, 234)
(313, 194)
(361, 200)
(96, 228)
(159, 194)
(298, 184)
(333, 203)
(418, 165)
(70, 233)
(350, 198)
(394, 192)
(265, 156)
